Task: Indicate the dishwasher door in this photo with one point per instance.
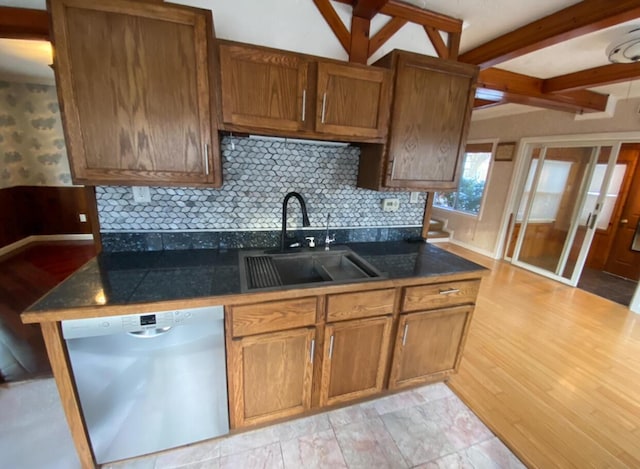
(145, 393)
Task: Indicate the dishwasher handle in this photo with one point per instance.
(150, 333)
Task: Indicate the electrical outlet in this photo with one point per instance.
(141, 195)
(414, 197)
(82, 217)
(390, 205)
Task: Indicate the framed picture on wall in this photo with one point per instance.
(505, 151)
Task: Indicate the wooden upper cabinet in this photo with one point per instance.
(263, 88)
(355, 359)
(429, 345)
(432, 104)
(353, 100)
(134, 87)
(270, 376)
(274, 92)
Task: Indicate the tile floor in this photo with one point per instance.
(428, 427)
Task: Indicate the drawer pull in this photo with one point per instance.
(450, 291)
(404, 334)
(304, 104)
(313, 349)
(206, 159)
(331, 347)
(324, 105)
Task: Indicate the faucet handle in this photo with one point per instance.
(328, 240)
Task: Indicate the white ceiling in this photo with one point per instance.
(483, 20)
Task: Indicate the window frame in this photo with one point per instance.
(488, 142)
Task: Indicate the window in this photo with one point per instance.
(475, 170)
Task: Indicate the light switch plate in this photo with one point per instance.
(82, 217)
(414, 197)
(141, 194)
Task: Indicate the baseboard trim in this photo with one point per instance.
(40, 238)
(439, 240)
(473, 248)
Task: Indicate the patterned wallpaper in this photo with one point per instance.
(32, 148)
(257, 173)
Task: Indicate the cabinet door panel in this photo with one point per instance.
(355, 358)
(271, 376)
(428, 344)
(353, 101)
(134, 87)
(263, 88)
(432, 107)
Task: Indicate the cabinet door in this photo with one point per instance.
(429, 345)
(353, 101)
(355, 359)
(432, 106)
(263, 88)
(270, 376)
(133, 83)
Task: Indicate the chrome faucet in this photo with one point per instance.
(328, 240)
(305, 218)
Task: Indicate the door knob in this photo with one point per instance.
(624, 221)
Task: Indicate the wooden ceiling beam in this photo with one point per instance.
(399, 9)
(453, 43)
(382, 36)
(334, 22)
(417, 15)
(23, 23)
(367, 9)
(486, 103)
(359, 47)
(598, 76)
(438, 43)
(582, 18)
(523, 89)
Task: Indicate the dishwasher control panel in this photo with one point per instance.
(90, 327)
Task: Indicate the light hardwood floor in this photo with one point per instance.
(554, 371)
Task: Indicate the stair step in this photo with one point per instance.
(438, 235)
(436, 225)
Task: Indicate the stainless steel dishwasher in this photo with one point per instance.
(149, 382)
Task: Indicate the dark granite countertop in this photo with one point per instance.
(125, 278)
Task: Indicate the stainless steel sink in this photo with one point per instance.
(264, 270)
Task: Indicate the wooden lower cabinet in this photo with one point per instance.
(271, 371)
(355, 359)
(270, 376)
(429, 345)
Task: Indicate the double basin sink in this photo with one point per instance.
(261, 270)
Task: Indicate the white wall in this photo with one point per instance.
(297, 25)
(482, 234)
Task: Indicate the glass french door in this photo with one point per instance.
(561, 199)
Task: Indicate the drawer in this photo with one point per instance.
(438, 295)
(272, 316)
(360, 304)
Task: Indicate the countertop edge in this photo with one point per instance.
(81, 312)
